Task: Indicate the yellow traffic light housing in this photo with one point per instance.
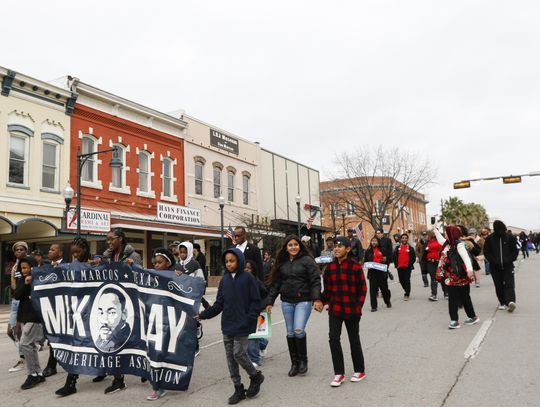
(462, 184)
(511, 180)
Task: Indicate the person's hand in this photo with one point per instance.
(269, 309)
(129, 261)
(384, 259)
(28, 280)
(197, 317)
(318, 306)
(97, 261)
(178, 273)
(470, 273)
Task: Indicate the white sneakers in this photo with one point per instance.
(17, 366)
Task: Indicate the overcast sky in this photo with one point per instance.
(458, 81)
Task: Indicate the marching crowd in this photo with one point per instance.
(450, 262)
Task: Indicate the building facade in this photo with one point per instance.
(34, 137)
(339, 210)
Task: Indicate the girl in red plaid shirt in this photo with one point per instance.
(344, 293)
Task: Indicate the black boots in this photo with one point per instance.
(301, 348)
(255, 385)
(291, 343)
(239, 394)
(69, 388)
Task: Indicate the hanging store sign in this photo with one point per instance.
(224, 142)
(181, 215)
(91, 220)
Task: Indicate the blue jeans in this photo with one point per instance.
(13, 313)
(254, 350)
(296, 316)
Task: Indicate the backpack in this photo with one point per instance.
(457, 263)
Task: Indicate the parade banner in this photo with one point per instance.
(118, 319)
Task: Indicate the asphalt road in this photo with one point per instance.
(412, 359)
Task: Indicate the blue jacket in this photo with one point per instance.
(239, 300)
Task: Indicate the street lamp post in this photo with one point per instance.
(221, 201)
(116, 162)
(298, 212)
(68, 197)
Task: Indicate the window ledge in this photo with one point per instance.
(173, 198)
(126, 190)
(150, 194)
(20, 186)
(95, 185)
(50, 191)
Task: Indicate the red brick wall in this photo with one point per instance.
(109, 127)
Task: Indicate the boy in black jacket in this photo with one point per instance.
(32, 330)
(239, 299)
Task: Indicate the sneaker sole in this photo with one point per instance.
(472, 323)
(336, 384)
(116, 390)
(454, 327)
(357, 380)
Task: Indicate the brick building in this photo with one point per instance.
(338, 205)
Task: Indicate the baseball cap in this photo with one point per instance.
(342, 240)
(37, 253)
(305, 238)
(175, 243)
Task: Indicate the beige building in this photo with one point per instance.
(34, 139)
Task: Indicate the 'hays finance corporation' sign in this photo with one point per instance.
(223, 141)
(178, 214)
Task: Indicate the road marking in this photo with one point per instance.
(221, 340)
(476, 343)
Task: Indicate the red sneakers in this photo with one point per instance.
(338, 379)
(356, 377)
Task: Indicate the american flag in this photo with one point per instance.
(230, 235)
(359, 231)
(312, 214)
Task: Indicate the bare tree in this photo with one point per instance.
(379, 183)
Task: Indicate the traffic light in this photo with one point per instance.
(462, 184)
(511, 180)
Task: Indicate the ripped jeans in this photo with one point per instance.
(296, 315)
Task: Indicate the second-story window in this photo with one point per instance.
(245, 189)
(350, 209)
(217, 182)
(18, 159)
(49, 172)
(199, 171)
(144, 172)
(230, 186)
(119, 173)
(167, 178)
(89, 169)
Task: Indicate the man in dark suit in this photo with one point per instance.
(386, 244)
(251, 252)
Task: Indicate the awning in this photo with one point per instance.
(6, 227)
(35, 227)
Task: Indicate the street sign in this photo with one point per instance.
(92, 220)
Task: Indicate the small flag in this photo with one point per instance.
(359, 231)
(312, 214)
(230, 235)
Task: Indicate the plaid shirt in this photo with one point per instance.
(344, 288)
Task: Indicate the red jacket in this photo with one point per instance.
(433, 250)
(344, 288)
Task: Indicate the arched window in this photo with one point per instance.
(119, 173)
(230, 185)
(217, 181)
(89, 169)
(245, 188)
(168, 180)
(144, 171)
(199, 174)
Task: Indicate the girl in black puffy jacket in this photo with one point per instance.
(295, 277)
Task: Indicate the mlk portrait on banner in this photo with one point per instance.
(111, 318)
